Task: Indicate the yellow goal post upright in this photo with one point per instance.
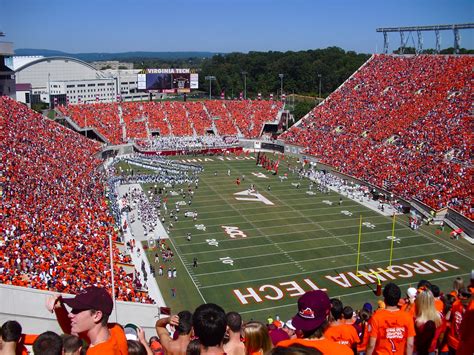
(392, 239)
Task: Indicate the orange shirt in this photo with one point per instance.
(409, 308)
(439, 305)
(391, 328)
(344, 334)
(115, 345)
(326, 346)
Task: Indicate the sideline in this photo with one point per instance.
(136, 231)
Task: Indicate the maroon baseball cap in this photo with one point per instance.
(278, 335)
(91, 298)
(313, 309)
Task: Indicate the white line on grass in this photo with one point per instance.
(287, 242)
(190, 276)
(321, 258)
(311, 272)
(288, 252)
(293, 224)
(302, 216)
(258, 229)
(318, 224)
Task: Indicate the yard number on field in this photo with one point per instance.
(227, 260)
(212, 242)
(260, 175)
(234, 232)
(369, 225)
(250, 195)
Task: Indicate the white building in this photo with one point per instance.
(16, 62)
(78, 80)
(128, 83)
(83, 91)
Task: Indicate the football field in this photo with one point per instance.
(256, 254)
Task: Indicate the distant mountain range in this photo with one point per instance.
(92, 57)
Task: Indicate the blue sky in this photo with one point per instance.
(224, 25)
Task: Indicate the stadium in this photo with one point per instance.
(172, 204)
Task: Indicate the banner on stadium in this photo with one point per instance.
(168, 80)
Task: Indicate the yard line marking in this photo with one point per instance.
(257, 228)
(288, 252)
(280, 243)
(296, 224)
(444, 244)
(325, 257)
(191, 277)
(318, 224)
(277, 209)
(299, 273)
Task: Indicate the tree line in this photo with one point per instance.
(307, 73)
(300, 71)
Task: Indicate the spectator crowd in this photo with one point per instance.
(131, 121)
(402, 123)
(424, 321)
(55, 220)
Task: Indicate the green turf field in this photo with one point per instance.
(270, 254)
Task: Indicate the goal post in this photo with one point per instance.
(392, 240)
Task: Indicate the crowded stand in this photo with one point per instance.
(250, 116)
(157, 121)
(104, 117)
(56, 222)
(199, 118)
(415, 320)
(134, 119)
(140, 120)
(56, 219)
(224, 121)
(401, 123)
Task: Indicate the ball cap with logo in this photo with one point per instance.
(313, 309)
(91, 298)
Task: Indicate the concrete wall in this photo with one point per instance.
(27, 306)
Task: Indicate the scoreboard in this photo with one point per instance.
(168, 80)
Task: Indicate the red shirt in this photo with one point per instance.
(457, 314)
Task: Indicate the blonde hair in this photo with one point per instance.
(458, 284)
(257, 338)
(425, 308)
